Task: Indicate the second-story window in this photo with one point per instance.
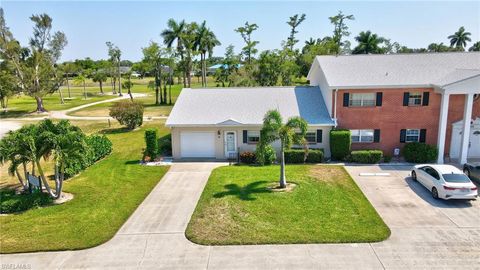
(415, 99)
(362, 100)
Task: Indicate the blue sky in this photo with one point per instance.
(131, 25)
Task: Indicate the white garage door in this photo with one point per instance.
(197, 144)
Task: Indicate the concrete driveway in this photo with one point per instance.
(426, 234)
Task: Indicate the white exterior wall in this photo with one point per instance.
(219, 140)
(317, 78)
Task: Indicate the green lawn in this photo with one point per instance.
(326, 206)
(151, 109)
(106, 194)
(22, 105)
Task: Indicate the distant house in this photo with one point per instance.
(213, 69)
(384, 100)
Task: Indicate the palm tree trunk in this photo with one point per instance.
(68, 87)
(61, 95)
(283, 180)
(101, 87)
(20, 179)
(157, 91)
(163, 99)
(119, 80)
(170, 89)
(84, 90)
(54, 195)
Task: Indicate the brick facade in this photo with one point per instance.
(392, 116)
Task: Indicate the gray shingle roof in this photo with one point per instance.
(247, 106)
(422, 69)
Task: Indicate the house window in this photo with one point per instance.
(253, 137)
(310, 136)
(412, 135)
(362, 135)
(362, 99)
(415, 99)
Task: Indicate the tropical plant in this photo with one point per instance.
(100, 77)
(249, 50)
(368, 43)
(153, 56)
(175, 33)
(35, 66)
(475, 47)
(115, 58)
(128, 84)
(81, 80)
(292, 132)
(69, 69)
(204, 43)
(31, 143)
(459, 39)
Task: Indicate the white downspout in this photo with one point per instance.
(335, 107)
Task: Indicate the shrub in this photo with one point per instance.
(366, 156)
(294, 156)
(340, 143)
(151, 142)
(315, 156)
(98, 146)
(419, 152)
(247, 157)
(165, 145)
(128, 113)
(265, 155)
(387, 159)
(298, 156)
(101, 146)
(11, 202)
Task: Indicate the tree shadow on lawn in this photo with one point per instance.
(243, 193)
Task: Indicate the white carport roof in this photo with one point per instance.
(247, 106)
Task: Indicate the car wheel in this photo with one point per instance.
(435, 193)
(414, 176)
(467, 172)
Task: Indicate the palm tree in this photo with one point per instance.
(475, 47)
(100, 77)
(13, 152)
(459, 39)
(368, 43)
(79, 80)
(61, 140)
(273, 129)
(173, 33)
(205, 42)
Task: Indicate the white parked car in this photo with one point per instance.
(445, 181)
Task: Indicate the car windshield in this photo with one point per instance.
(456, 178)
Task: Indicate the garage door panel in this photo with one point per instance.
(197, 144)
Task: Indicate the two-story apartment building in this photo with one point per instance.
(385, 100)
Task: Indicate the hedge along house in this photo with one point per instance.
(218, 123)
(389, 100)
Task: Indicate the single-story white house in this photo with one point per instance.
(218, 123)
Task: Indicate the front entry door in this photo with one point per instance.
(230, 144)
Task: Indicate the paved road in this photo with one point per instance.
(426, 234)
